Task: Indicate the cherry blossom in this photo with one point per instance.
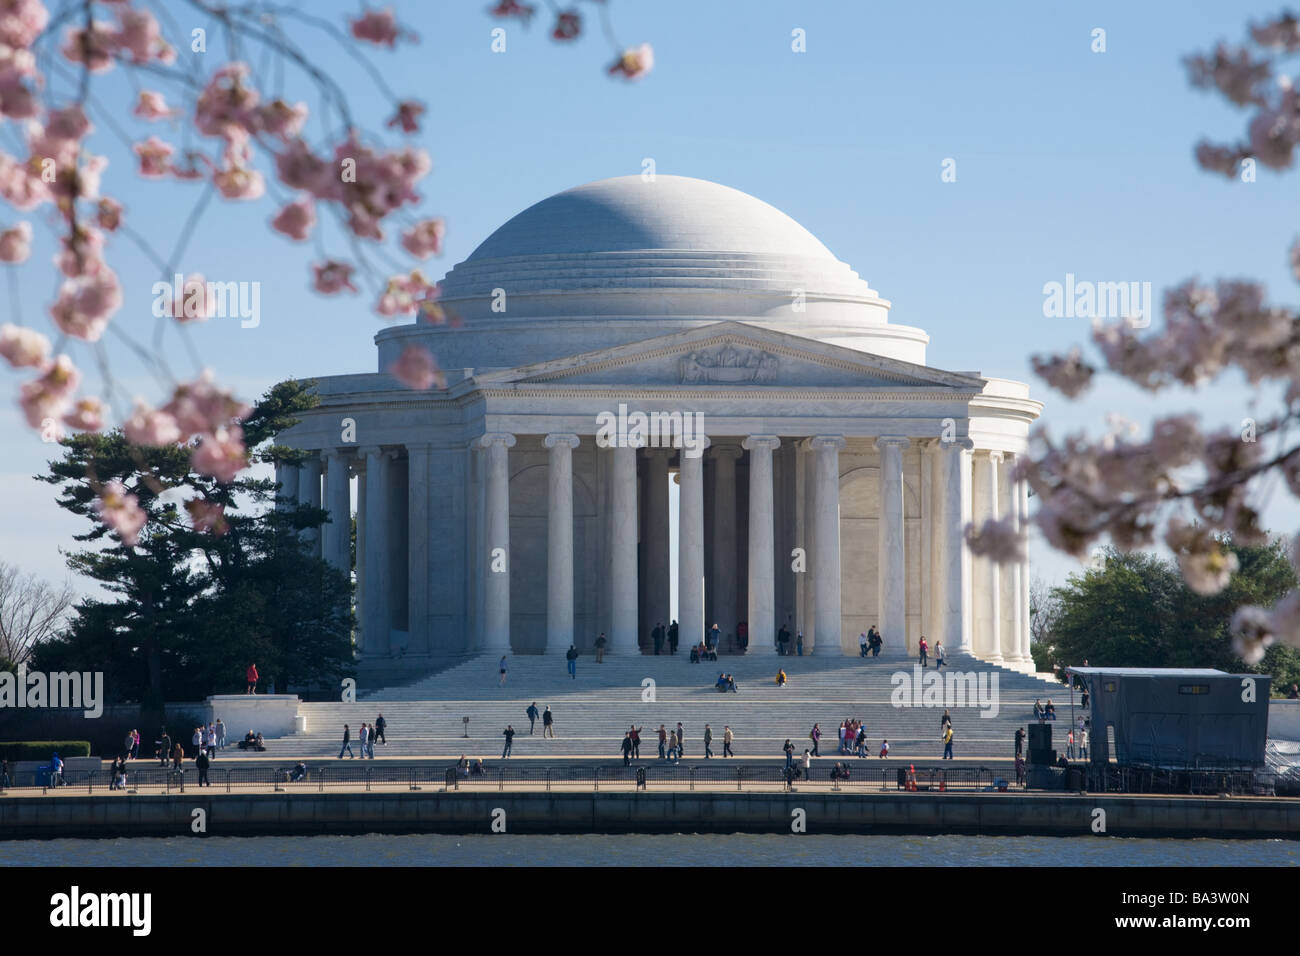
(379, 27)
(16, 243)
(153, 427)
(332, 277)
(512, 8)
(296, 219)
(567, 25)
(108, 214)
(999, 540)
(151, 106)
(87, 415)
(407, 116)
(221, 454)
(85, 304)
(416, 368)
(21, 21)
(23, 347)
(207, 517)
(634, 63)
(92, 48)
(47, 396)
(200, 406)
(121, 512)
(155, 157)
(424, 239)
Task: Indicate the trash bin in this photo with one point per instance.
(1074, 779)
(300, 723)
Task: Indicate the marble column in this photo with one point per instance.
(955, 475)
(375, 620)
(762, 545)
(988, 585)
(826, 532)
(286, 476)
(1009, 592)
(559, 542)
(623, 546)
(723, 576)
(690, 550)
(891, 580)
(336, 534)
(497, 558)
(1022, 510)
(309, 496)
(927, 545)
(419, 486)
(657, 547)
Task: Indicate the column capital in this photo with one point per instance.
(495, 438)
(726, 450)
(995, 455)
(768, 442)
(652, 451)
(554, 440)
(895, 440)
(822, 442)
(329, 454)
(956, 444)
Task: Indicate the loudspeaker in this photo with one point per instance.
(1040, 736)
(1042, 757)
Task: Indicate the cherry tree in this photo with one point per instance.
(1195, 487)
(238, 135)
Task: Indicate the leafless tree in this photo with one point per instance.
(1044, 609)
(31, 610)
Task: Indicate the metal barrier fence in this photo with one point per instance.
(1112, 779)
(845, 776)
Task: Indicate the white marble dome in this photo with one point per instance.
(621, 259)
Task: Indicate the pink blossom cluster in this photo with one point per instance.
(416, 368)
(380, 27)
(634, 62)
(411, 294)
(121, 512)
(136, 37)
(197, 410)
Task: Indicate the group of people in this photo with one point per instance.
(783, 642)
(870, 643)
(1042, 713)
(660, 635)
(703, 652)
(726, 682)
(367, 736)
(923, 653)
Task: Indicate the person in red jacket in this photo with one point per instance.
(252, 678)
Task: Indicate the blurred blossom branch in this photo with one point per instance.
(1198, 489)
(236, 130)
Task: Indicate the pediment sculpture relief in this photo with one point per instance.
(729, 364)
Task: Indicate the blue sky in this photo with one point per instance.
(1067, 161)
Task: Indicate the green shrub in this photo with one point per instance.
(42, 749)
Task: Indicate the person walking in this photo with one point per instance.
(363, 736)
(789, 754)
(503, 667)
(635, 734)
(663, 743)
(1083, 744)
(197, 739)
(509, 734)
(571, 655)
(221, 735)
(201, 764)
(727, 738)
(674, 746)
(657, 635)
(798, 643)
(380, 726)
(672, 637)
(1020, 740)
(165, 747)
(947, 742)
(627, 749)
(681, 741)
(807, 764)
(940, 655)
(708, 742)
(1069, 745)
(251, 675)
(135, 741)
(129, 742)
(178, 756)
(815, 735)
(347, 737)
(862, 645)
(925, 650)
(548, 723)
(532, 717)
(600, 648)
(212, 741)
(945, 720)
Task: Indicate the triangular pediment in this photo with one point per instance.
(736, 355)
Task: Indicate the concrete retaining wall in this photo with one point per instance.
(990, 814)
(1284, 719)
(271, 715)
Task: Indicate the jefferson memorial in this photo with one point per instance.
(828, 490)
